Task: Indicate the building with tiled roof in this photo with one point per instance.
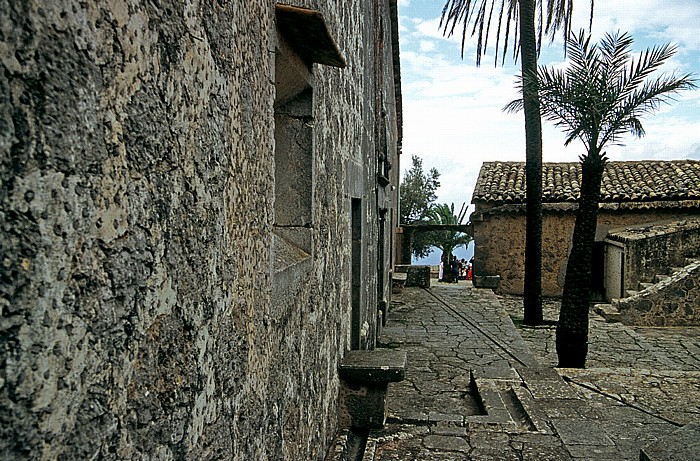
(642, 181)
(632, 193)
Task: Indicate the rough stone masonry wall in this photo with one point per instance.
(499, 242)
(672, 302)
(499, 249)
(136, 151)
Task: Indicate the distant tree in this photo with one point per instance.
(599, 97)
(532, 18)
(417, 192)
(417, 198)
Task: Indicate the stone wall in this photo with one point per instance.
(653, 248)
(418, 276)
(499, 240)
(671, 302)
(137, 156)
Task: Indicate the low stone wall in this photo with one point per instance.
(672, 302)
(418, 276)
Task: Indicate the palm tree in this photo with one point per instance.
(447, 240)
(557, 17)
(601, 96)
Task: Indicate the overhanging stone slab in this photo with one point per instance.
(308, 33)
(365, 376)
(376, 366)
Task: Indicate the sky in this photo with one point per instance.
(452, 109)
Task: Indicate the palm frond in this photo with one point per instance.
(447, 240)
(561, 100)
(498, 33)
(456, 12)
(488, 25)
(641, 101)
(559, 14)
(510, 16)
(475, 18)
(604, 91)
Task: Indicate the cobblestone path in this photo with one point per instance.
(446, 344)
(478, 388)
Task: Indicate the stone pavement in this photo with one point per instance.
(478, 388)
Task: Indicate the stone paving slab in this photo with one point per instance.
(670, 396)
(681, 445)
(461, 343)
(613, 345)
(443, 351)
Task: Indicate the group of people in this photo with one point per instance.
(454, 270)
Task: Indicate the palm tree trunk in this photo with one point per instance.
(532, 292)
(572, 330)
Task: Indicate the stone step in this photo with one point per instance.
(629, 293)
(608, 312)
(645, 285)
(375, 366)
(661, 277)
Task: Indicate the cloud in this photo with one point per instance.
(662, 20)
(452, 110)
(426, 45)
(440, 77)
(695, 154)
(453, 119)
(666, 138)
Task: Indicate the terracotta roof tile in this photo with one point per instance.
(637, 181)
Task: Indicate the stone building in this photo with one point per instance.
(196, 203)
(652, 274)
(632, 194)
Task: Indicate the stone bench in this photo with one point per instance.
(486, 281)
(365, 377)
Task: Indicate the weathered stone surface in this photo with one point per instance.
(652, 248)
(641, 384)
(499, 223)
(681, 445)
(365, 376)
(446, 443)
(671, 302)
(486, 281)
(418, 276)
(362, 405)
(581, 432)
(378, 366)
(137, 154)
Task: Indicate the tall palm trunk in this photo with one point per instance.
(532, 291)
(572, 331)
